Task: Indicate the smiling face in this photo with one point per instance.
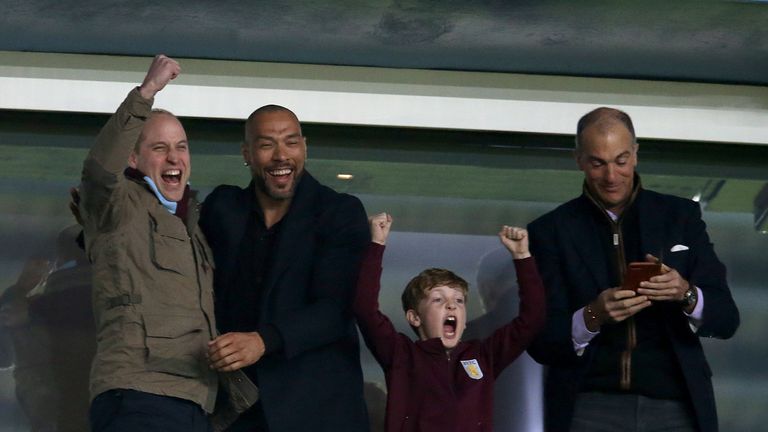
(162, 154)
(440, 314)
(275, 150)
(608, 156)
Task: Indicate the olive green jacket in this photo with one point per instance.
(152, 277)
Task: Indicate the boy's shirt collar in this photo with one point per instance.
(435, 346)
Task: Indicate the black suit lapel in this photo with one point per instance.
(243, 210)
(240, 215)
(652, 230)
(586, 240)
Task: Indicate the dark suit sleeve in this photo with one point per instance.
(721, 316)
(554, 344)
(326, 317)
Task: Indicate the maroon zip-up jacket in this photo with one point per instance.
(429, 389)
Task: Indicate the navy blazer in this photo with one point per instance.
(571, 260)
(315, 382)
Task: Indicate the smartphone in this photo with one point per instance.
(638, 272)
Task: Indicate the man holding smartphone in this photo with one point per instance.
(627, 357)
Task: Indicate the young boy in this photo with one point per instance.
(440, 383)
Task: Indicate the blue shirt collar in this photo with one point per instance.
(169, 205)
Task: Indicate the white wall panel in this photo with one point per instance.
(390, 97)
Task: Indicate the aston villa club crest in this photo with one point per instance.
(472, 368)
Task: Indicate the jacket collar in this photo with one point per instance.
(301, 197)
(434, 347)
(182, 207)
(651, 225)
(636, 186)
(586, 215)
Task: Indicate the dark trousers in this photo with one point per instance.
(252, 420)
(130, 411)
(608, 412)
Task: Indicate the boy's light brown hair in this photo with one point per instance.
(419, 286)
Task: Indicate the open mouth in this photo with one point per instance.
(281, 176)
(172, 176)
(449, 326)
(280, 172)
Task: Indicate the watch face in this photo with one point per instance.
(690, 297)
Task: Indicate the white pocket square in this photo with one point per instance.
(678, 248)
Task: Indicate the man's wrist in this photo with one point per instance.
(690, 298)
(271, 338)
(146, 93)
(581, 336)
(592, 318)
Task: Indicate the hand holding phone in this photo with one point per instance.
(639, 272)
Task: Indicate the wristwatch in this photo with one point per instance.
(690, 297)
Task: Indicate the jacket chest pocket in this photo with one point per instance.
(170, 245)
(678, 260)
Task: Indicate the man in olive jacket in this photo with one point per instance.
(152, 271)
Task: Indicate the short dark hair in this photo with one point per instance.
(603, 117)
(417, 288)
(271, 108)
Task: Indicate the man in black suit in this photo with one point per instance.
(620, 359)
(287, 251)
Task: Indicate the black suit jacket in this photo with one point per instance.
(315, 381)
(572, 263)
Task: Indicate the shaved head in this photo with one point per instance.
(266, 109)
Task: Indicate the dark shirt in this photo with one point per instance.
(244, 301)
(255, 262)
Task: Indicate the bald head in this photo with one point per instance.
(257, 115)
(603, 119)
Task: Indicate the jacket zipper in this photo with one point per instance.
(625, 365)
